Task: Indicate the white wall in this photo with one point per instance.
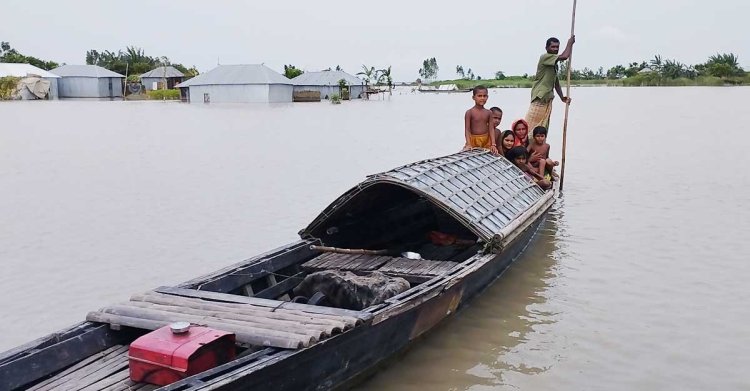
(247, 93)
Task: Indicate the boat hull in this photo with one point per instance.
(345, 360)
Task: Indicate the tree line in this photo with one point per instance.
(11, 55)
(134, 61)
(721, 65)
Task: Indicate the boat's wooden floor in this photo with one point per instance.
(107, 370)
(416, 270)
(258, 322)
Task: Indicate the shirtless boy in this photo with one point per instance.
(539, 152)
(478, 128)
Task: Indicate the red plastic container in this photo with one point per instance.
(162, 357)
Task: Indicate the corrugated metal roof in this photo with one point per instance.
(159, 72)
(84, 71)
(237, 75)
(21, 70)
(326, 78)
(482, 191)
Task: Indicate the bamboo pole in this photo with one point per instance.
(567, 104)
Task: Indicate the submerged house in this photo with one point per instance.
(327, 83)
(246, 83)
(35, 83)
(152, 78)
(88, 81)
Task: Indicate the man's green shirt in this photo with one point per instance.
(546, 75)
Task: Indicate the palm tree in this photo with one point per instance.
(656, 63)
(386, 74)
(368, 73)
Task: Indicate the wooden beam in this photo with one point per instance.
(235, 276)
(282, 287)
(45, 361)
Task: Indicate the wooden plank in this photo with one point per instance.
(282, 287)
(98, 356)
(53, 382)
(235, 276)
(51, 359)
(43, 342)
(110, 380)
(241, 333)
(364, 316)
(244, 309)
(376, 263)
(101, 373)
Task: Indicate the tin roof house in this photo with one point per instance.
(152, 78)
(35, 83)
(244, 83)
(89, 81)
(327, 83)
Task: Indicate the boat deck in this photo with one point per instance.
(413, 270)
(107, 370)
(258, 322)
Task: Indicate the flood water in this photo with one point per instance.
(637, 280)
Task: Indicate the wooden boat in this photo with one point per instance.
(444, 89)
(283, 345)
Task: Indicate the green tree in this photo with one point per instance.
(656, 63)
(460, 72)
(290, 71)
(429, 69)
(368, 73)
(721, 65)
(385, 77)
(11, 55)
(499, 75)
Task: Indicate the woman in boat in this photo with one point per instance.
(518, 156)
(521, 131)
(505, 141)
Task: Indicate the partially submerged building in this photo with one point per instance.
(247, 83)
(169, 74)
(88, 81)
(35, 83)
(328, 83)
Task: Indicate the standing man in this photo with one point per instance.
(545, 80)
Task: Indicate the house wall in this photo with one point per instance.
(53, 88)
(280, 93)
(246, 93)
(104, 87)
(148, 82)
(326, 91)
(89, 87)
(78, 87)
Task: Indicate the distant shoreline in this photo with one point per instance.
(637, 81)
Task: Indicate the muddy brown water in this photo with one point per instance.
(637, 280)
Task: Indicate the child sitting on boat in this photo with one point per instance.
(505, 141)
(538, 150)
(478, 128)
(518, 156)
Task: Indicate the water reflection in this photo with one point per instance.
(501, 334)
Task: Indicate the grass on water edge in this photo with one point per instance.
(164, 94)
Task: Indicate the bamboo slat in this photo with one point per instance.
(152, 312)
(302, 317)
(243, 334)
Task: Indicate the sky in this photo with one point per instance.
(486, 36)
